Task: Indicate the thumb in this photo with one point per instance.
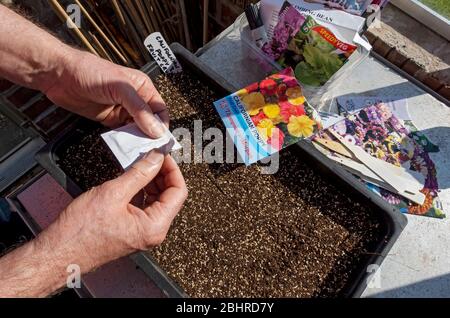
(140, 111)
(141, 173)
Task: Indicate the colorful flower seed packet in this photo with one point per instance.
(265, 117)
(383, 135)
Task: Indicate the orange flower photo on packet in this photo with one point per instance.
(279, 110)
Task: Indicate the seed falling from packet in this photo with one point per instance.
(129, 143)
(265, 117)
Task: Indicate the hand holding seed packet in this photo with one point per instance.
(312, 50)
(265, 117)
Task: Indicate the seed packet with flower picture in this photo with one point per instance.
(383, 135)
(265, 117)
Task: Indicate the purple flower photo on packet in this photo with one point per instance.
(289, 23)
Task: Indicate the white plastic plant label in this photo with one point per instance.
(162, 54)
(130, 144)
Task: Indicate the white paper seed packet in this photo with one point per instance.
(129, 143)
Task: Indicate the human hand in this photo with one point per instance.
(102, 225)
(111, 94)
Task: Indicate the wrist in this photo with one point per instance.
(55, 67)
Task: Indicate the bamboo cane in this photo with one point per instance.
(164, 21)
(102, 34)
(143, 12)
(118, 12)
(185, 24)
(135, 19)
(113, 34)
(205, 20)
(72, 27)
(103, 53)
(135, 37)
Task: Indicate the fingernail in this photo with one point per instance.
(155, 156)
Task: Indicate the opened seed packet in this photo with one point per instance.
(312, 50)
(265, 117)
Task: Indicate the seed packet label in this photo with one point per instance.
(329, 119)
(352, 6)
(129, 143)
(265, 117)
(349, 105)
(162, 54)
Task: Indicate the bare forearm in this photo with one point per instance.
(29, 56)
(27, 272)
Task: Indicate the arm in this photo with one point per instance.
(102, 224)
(98, 227)
(28, 271)
(78, 81)
(29, 56)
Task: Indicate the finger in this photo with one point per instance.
(152, 97)
(119, 116)
(140, 111)
(140, 174)
(172, 198)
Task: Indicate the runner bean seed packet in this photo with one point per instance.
(312, 50)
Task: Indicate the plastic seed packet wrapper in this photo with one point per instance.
(265, 117)
(344, 25)
(312, 50)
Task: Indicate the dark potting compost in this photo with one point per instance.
(241, 233)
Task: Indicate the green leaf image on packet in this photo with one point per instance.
(312, 50)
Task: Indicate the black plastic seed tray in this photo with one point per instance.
(392, 220)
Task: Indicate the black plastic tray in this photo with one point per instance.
(392, 220)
